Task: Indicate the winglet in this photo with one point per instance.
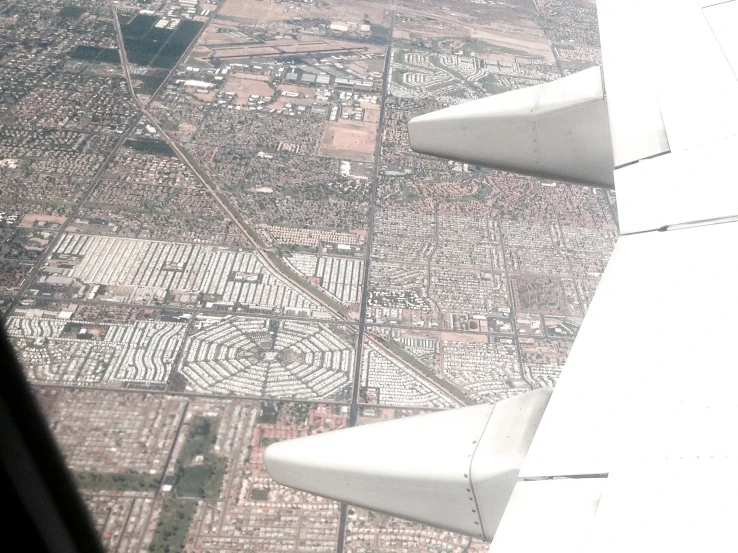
(453, 469)
(558, 130)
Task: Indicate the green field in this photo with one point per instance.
(269, 413)
(117, 481)
(259, 494)
(492, 85)
(173, 526)
(71, 12)
(200, 478)
(398, 74)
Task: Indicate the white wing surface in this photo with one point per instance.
(636, 449)
(647, 401)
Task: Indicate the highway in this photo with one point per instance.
(513, 313)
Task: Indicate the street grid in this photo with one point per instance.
(247, 239)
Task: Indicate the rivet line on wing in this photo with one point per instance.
(470, 480)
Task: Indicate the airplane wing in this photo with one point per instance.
(636, 448)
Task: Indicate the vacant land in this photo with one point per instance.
(353, 140)
(463, 337)
(371, 112)
(496, 34)
(222, 34)
(353, 11)
(534, 47)
(246, 86)
(266, 12)
(261, 10)
(35, 219)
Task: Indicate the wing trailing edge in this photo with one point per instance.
(453, 469)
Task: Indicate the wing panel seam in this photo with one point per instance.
(483, 532)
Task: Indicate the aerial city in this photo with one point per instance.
(214, 236)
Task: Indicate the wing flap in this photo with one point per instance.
(680, 188)
(672, 504)
(723, 18)
(560, 513)
(696, 86)
(636, 124)
(669, 81)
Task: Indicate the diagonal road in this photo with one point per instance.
(268, 257)
(204, 181)
(94, 183)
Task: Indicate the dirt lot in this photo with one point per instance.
(364, 67)
(354, 11)
(464, 337)
(199, 57)
(371, 113)
(203, 96)
(304, 90)
(265, 11)
(538, 47)
(29, 220)
(353, 140)
(245, 87)
(282, 101)
(502, 28)
(211, 35)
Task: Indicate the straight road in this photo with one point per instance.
(267, 257)
(354, 409)
(370, 233)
